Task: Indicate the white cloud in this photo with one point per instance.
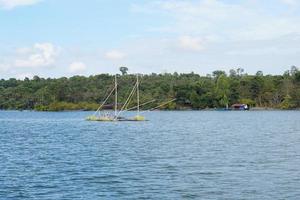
(191, 43)
(22, 76)
(246, 20)
(77, 67)
(251, 34)
(228, 33)
(290, 2)
(114, 55)
(40, 55)
(4, 67)
(10, 4)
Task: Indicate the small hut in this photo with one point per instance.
(239, 106)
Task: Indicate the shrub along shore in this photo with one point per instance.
(192, 91)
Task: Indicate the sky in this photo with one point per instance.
(55, 38)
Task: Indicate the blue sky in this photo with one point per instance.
(63, 37)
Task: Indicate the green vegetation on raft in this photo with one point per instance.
(192, 91)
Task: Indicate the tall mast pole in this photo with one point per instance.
(138, 94)
(116, 96)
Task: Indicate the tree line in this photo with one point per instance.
(192, 91)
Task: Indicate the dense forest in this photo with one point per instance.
(192, 91)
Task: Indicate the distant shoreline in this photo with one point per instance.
(207, 109)
(182, 91)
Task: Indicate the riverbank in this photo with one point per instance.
(192, 91)
(78, 108)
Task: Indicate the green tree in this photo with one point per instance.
(218, 73)
(190, 89)
(123, 70)
(223, 90)
(287, 103)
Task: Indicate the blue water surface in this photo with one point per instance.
(174, 155)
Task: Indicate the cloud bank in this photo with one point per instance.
(114, 55)
(40, 55)
(77, 67)
(11, 4)
(159, 36)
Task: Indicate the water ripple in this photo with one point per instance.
(175, 155)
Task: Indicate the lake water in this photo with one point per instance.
(175, 155)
